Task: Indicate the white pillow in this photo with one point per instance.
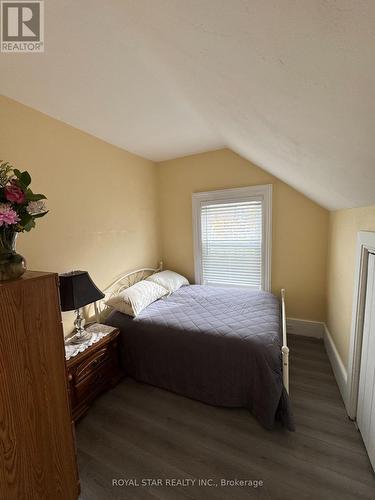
(134, 299)
(168, 279)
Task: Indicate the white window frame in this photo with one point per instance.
(227, 195)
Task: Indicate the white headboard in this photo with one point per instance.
(124, 281)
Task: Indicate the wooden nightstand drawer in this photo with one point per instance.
(93, 364)
(93, 384)
(92, 372)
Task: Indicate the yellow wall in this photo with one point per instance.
(343, 229)
(102, 200)
(104, 204)
(300, 226)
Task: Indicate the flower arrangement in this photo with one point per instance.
(19, 206)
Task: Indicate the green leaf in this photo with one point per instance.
(25, 218)
(38, 216)
(24, 178)
(30, 196)
(29, 226)
(37, 197)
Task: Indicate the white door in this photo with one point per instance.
(366, 394)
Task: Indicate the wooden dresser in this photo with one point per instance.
(37, 452)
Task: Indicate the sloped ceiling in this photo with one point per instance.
(288, 84)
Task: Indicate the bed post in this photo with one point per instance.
(97, 314)
(285, 348)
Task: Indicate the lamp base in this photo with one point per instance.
(80, 334)
(80, 337)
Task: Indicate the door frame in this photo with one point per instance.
(365, 245)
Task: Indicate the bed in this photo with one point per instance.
(220, 345)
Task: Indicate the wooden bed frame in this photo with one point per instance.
(130, 278)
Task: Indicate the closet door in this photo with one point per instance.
(366, 395)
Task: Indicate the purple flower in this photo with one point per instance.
(8, 216)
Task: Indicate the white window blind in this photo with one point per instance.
(231, 243)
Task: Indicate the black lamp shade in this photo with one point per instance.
(77, 290)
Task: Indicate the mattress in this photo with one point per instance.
(219, 345)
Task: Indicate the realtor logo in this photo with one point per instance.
(22, 26)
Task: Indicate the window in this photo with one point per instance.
(232, 237)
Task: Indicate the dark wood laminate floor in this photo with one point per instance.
(137, 432)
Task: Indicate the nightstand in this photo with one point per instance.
(93, 371)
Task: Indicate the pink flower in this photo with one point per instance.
(7, 215)
(14, 193)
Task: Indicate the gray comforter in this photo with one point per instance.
(217, 345)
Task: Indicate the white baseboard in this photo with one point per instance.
(338, 366)
(305, 327)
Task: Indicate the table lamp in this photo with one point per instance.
(76, 291)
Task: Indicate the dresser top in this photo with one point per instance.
(29, 275)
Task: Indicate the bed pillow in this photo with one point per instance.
(168, 279)
(134, 299)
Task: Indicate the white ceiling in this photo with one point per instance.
(288, 84)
